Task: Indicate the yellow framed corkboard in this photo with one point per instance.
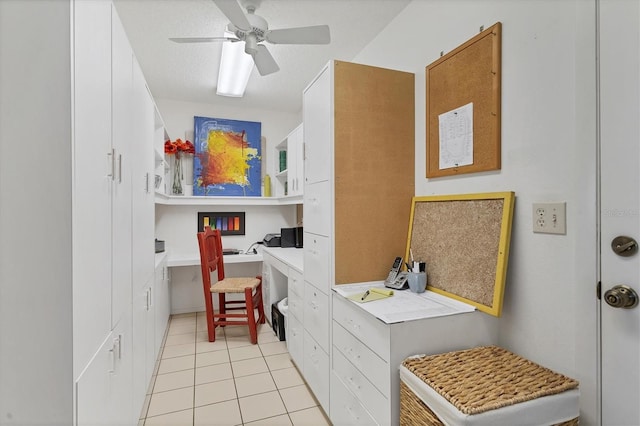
(471, 73)
(464, 240)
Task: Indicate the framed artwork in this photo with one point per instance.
(229, 223)
(227, 161)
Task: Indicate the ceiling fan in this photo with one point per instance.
(253, 30)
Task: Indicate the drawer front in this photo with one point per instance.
(296, 305)
(295, 341)
(295, 282)
(375, 403)
(346, 409)
(275, 263)
(365, 327)
(317, 261)
(364, 359)
(316, 370)
(318, 208)
(316, 315)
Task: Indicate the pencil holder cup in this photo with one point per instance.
(417, 281)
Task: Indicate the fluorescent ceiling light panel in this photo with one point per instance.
(235, 68)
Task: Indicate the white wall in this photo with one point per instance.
(35, 213)
(177, 225)
(548, 154)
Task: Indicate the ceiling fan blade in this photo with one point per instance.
(318, 34)
(201, 39)
(234, 12)
(264, 61)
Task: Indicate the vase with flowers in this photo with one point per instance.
(181, 151)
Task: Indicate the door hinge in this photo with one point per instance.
(599, 290)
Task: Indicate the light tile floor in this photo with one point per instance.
(226, 382)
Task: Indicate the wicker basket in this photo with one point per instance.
(478, 380)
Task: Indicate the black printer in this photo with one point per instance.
(271, 240)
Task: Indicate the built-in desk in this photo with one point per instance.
(281, 268)
(186, 279)
(194, 259)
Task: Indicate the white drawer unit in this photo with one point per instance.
(317, 208)
(316, 261)
(364, 359)
(316, 315)
(295, 340)
(365, 347)
(316, 370)
(346, 409)
(356, 381)
(362, 326)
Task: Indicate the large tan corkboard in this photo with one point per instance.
(374, 147)
(471, 73)
(464, 240)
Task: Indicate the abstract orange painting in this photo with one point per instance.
(227, 161)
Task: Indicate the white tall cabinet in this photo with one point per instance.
(357, 121)
(76, 221)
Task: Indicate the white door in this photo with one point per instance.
(620, 207)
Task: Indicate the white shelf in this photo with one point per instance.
(178, 200)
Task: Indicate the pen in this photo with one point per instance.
(364, 296)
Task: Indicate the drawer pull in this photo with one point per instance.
(353, 383)
(352, 414)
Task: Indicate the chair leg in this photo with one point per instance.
(222, 302)
(259, 302)
(251, 318)
(211, 328)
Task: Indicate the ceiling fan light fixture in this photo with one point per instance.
(235, 69)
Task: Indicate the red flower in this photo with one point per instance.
(179, 146)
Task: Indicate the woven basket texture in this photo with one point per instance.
(234, 285)
(485, 378)
(414, 412)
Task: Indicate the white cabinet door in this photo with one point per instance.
(103, 390)
(295, 340)
(142, 164)
(316, 370)
(266, 286)
(122, 85)
(316, 315)
(91, 180)
(93, 390)
(295, 162)
(316, 261)
(144, 354)
(318, 208)
(162, 305)
(318, 128)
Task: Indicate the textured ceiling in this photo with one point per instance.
(189, 72)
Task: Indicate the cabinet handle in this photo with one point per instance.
(112, 361)
(118, 345)
(146, 182)
(111, 163)
(353, 383)
(352, 414)
(119, 168)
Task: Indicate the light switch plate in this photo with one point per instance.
(549, 218)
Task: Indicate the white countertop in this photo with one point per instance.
(294, 257)
(194, 259)
(404, 305)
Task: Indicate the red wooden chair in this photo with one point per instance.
(210, 243)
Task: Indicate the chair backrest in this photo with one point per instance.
(210, 243)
